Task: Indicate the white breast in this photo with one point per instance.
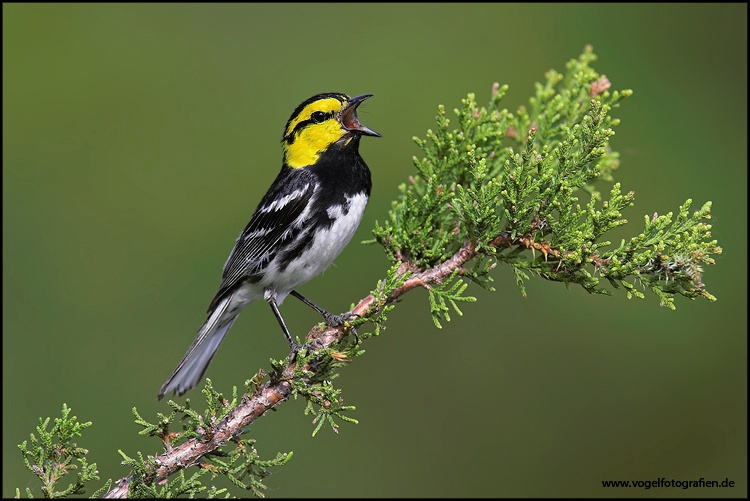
(326, 246)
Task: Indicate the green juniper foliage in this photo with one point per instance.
(495, 188)
(324, 400)
(50, 455)
(240, 463)
(521, 189)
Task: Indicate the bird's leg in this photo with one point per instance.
(331, 319)
(271, 298)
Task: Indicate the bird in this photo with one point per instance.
(302, 223)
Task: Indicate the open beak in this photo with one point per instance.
(349, 118)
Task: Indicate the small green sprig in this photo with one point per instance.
(312, 379)
(449, 292)
(52, 454)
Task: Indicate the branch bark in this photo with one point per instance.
(273, 393)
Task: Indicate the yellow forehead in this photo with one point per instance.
(325, 105)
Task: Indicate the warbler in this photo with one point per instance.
(301, 225)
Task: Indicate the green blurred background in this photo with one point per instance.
(138, 139)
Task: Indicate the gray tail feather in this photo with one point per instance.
(195, 362)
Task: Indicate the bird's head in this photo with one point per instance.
(320, 122)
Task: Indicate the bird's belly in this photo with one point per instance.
(325, 247)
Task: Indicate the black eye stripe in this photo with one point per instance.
(310, 121)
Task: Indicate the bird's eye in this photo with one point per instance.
(318, 116)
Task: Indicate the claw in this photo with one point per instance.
(296, 348)
(339, 320)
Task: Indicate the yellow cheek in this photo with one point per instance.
(311, 142)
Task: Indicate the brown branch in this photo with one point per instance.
(273, 393)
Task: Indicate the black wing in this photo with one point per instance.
(273, 221)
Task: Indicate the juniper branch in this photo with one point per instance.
(276, 391)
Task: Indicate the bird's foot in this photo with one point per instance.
(338, 320)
